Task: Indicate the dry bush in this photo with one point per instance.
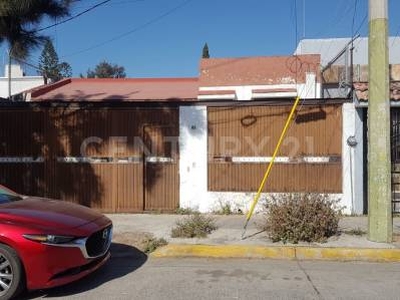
(143, 241)
(301, 217)
(185, 211)
(153, 243)
(224, 209)
(195, 225)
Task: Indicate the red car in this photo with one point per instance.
(45, 243)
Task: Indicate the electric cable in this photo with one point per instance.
(73, 17)
(395, 36)
(138, 28)
(354, 17)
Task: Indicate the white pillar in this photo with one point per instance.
(349, 143)
(193, 134)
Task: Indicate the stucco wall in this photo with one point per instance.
(352, 159)
(193, 157)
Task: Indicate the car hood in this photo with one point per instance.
(54, 214)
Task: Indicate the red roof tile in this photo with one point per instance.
(121, 89)
(257, 70)
(361, 90)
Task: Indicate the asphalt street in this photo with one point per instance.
(139, 277)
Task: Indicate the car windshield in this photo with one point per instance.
(7, 195)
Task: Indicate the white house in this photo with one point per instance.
(19, 82)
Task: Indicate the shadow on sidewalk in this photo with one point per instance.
(125, 259)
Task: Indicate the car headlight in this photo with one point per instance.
(49, 238)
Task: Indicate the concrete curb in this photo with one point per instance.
(279, 252)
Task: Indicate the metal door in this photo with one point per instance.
(161, 168)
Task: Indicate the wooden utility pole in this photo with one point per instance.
(380, 224)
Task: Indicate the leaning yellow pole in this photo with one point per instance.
(264, 180)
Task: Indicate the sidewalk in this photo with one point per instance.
(227, 240)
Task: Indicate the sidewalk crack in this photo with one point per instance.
(309, 280)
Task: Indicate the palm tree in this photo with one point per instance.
(19, 21)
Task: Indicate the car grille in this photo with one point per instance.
(99, 242)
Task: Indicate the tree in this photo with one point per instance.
(65, 70)
(19, 22)
(106, 70)
(206, 53)
(49, 66)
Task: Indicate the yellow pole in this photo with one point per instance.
(278, 145)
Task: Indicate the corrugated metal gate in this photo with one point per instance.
(242, 140)
(161, 167)
(115, 160)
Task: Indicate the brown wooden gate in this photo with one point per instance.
(242, 140)
(112, 159)
(161, 181)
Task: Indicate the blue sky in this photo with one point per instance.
(164, 38)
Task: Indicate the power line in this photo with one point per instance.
(27, 63)
(354, 17)
(361, 24)
(74, 17)
(295, 22)
(341, 11)
(152, 21)
(353, 34)
(395, 36)
(118, 3)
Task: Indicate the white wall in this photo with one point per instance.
(352, 160)
(19, 82)
(19, 85)
(311, 89)
(193, 157)
(359, 163)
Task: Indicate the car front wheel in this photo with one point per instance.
(11, 273)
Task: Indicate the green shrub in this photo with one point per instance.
(195, 225)
(301, 217)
